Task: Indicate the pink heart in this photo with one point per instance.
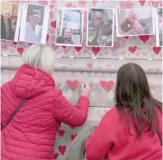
(94, 2)
(73, 136)
(132, 49)
(51, 6)
(20, 50)
(73, 84)
(14, 43)
(53, 24)
(82, 3)
(4, 45)
(126, 37)
(144, 38)
(52, 30)
(126, 5)
(61, 133)
(55, 155)
(68, 4)
(89, 65)
(62, 149)
(142, 2)
(47, 38)
(107, 85)
(53, 38)
(78, 49)
(51, 15)
(95, 50)
(42, 2)
(156, 50)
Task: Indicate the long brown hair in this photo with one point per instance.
(132, 92)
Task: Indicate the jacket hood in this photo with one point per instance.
(30, 81)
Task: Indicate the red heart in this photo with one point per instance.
(156, 50)
(73, 137)
(20, 50)
(107, 85)
(73, 84)
(53, 24)
(62, 149)
(126, 37)
(55, 155)
(64, 47)
(94, 2)
(61, 133)
(96, 50)
(132, 49)
(47, 37)
(89, 65)
(14, 43)
(144, 38)
(78, 49)
(142, 2)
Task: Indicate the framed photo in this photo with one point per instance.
(10, 21)
(69, 30)
(159, 27)
(135, 21)
(34, 23)
(100, 28)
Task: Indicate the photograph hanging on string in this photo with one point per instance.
(34, 24)
(159, 27)
(100, 28)
(69, 30)
(10, 21)
(135, 21)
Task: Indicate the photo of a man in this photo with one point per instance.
(138, 21)
(69, 27)
(159, 27)
(100, 28)
(9, 25)
(33, 28)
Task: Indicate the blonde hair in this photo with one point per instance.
(38, 56)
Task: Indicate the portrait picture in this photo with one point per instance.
(100, 28)
(69, 30)
(34, 24)
(136, 21)
(159, 27)
(10, 21)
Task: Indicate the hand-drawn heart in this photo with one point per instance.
(142, 2)
(107, 85)
(89, 65)
(78, 49)
(55, 155)
(47, 38)
(95, 50)
(72, 137)
(20, 50)
(144, 38)
(132, 49)
(82, 3)
(61, 133)
(62, 149)
(51, 6)
(73, 84)
(53, 24)
(14, 43)
(94, 2)
(156, 50)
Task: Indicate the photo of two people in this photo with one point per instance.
(10, 21)
(69, 27)
(100, 27)
(133, 22)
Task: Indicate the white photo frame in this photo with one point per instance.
(159, 35)
(18, 19)
(110, 35)
(137, 28)
(39, 36)
(75, 40)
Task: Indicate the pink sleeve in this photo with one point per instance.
(159, 122)
(98, 144)
(65, 112)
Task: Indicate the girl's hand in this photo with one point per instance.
(85, 90)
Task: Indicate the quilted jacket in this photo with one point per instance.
(32, 132)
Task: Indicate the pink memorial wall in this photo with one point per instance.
(98, 66)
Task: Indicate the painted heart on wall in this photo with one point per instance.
(61, 133)
(62, 149)
(95, 50)
(144, 38)
(107, 85)
(132, 49)
(142, 2)
(156, 50)
(73, 84)
(20, 50)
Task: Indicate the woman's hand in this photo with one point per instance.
(85, 90)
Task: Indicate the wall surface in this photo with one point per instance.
(98, 66)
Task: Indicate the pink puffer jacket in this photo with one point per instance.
(32, 132)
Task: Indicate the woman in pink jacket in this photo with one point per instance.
(132, 130)
(31, 134)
